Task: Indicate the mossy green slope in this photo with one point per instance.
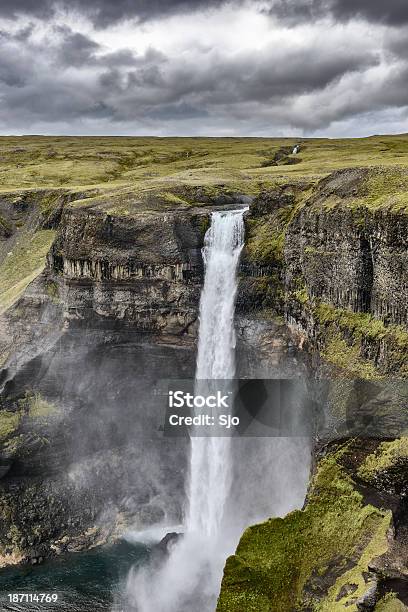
(307, 559)
(24, 263)
(54, 162)
(388, 456)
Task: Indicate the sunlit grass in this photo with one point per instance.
(29, 162)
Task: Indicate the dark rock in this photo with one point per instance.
(366, 603)
(268, 201)
(346, 589)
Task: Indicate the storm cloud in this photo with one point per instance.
(105, 12)
(392, 12)
(226, 68)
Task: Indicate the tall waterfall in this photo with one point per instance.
(210, 469)
(189, 579)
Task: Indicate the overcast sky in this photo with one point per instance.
(188, 67)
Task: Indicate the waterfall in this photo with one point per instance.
(210, 469)
(189, 579)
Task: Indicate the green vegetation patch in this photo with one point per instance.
(38, 162)
(348, 357)
(9, 423)
(265, 235)
(387, 455)
(363, 189)
(38, 407)
(265, 241)
(282, 563)
(24, 263)
(34, 406)
(390, 603)
(344, 332)
(387, 188)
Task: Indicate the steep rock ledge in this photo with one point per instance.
(331, 259)
(119, 293)
(345, 275)
(325, 557)
(145, 269)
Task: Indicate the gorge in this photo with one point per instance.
(88, 338)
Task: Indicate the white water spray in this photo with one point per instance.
(210, 467)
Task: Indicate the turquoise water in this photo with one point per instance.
(85, 582)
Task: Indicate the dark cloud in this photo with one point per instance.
(56, 76)
(105, 12)
(76, 49)
(122, 86)
(391, 12)
(180, 111)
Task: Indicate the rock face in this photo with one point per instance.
(352, 261)
(332, 260)
(322, 286)
(335, 267)
(146, 269)
(342, 257)
(91, 343)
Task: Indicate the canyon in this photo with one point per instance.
(90, 329)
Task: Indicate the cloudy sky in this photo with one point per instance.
(181, 67)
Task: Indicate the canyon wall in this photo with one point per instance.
(89, 345)
(333, 264)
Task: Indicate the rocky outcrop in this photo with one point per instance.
(332, 260)
(120, 294)
(343, 551)
(351, 259)
(90, 344)
(145, 269)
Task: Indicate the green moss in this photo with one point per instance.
(348, 357)
(344, 332)
(171, 198)
(52, 290)
(301, 295)
(48, 202)
(37, 407)
(25, 263)
(387, 188)
(9, 422)
(204, 225)
(13, 445)
(276, 560)
(386, 456)
(264, 243)
(390, 603)
(361, 324)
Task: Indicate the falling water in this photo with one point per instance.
(189, 579)
(210, 467)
